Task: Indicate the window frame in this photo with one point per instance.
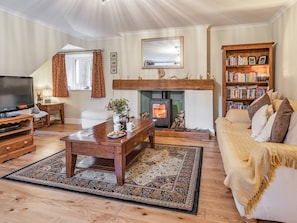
(75, 73)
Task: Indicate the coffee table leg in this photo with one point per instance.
(152, 138)
(120, 165)
(70, 160)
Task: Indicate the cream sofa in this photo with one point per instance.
(261, 175)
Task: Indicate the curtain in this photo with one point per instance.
(98, 83)
(60, 88)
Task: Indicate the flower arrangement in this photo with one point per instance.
(117, 105)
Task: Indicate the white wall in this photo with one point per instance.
(284, 34)
(282, 30)
(231, 35)
(25, 45)
(79, 101)
(128, 48)
(129, 53)
(198, 108)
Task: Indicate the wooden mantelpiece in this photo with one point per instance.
(163, 84)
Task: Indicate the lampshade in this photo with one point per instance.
(47, 93)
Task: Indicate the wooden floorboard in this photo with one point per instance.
(20, 202)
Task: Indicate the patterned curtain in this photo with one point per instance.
(60, 88)
(98, 83)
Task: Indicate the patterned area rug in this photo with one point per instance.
(167, 177)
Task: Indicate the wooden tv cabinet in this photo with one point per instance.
(16, 137)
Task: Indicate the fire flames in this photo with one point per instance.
(159, 111)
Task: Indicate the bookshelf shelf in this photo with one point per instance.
(240, 99)
(247, 83)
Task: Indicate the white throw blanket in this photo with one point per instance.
(250, 165)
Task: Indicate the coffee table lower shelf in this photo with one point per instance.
(102, 164)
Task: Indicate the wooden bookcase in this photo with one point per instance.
(16, 136)
(247, 73)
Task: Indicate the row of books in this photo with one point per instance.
(245, 92)
(245, 77)
(236, 105)
(237, 60)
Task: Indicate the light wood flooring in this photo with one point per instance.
(20, 202)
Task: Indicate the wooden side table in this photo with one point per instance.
(49, 107)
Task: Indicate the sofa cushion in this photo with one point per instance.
(35, 110)
(259, 120)
(40, 114)
(274, 95)
(291, 135)
(270, 110)
(266, 131)
(281, 123)
(277, 102)
(256, 105)
(293, 104)
(238, 116)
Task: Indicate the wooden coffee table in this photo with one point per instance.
(94, 142)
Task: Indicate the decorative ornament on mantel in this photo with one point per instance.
(161, 73)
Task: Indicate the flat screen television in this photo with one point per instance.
(16, 93)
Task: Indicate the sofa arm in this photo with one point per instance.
(238, 116)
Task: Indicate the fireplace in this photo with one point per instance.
(160, 111)
(172, 101)
(193, 96)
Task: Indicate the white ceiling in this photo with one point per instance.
(89, 19)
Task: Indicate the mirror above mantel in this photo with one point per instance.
(167, 52)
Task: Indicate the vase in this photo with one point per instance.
(116, 118)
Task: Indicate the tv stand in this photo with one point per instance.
(16, 136)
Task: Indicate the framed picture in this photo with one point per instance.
(252, 60)
(262, 60)
(113, 62)
(113, 55)
(113, 70)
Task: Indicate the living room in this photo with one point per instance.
(27, 48)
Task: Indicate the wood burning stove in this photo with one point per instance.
(160, 111)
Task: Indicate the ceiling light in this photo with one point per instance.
(104, 1)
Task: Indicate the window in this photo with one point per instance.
(79, 71)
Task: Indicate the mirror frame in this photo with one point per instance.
(152, 40)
